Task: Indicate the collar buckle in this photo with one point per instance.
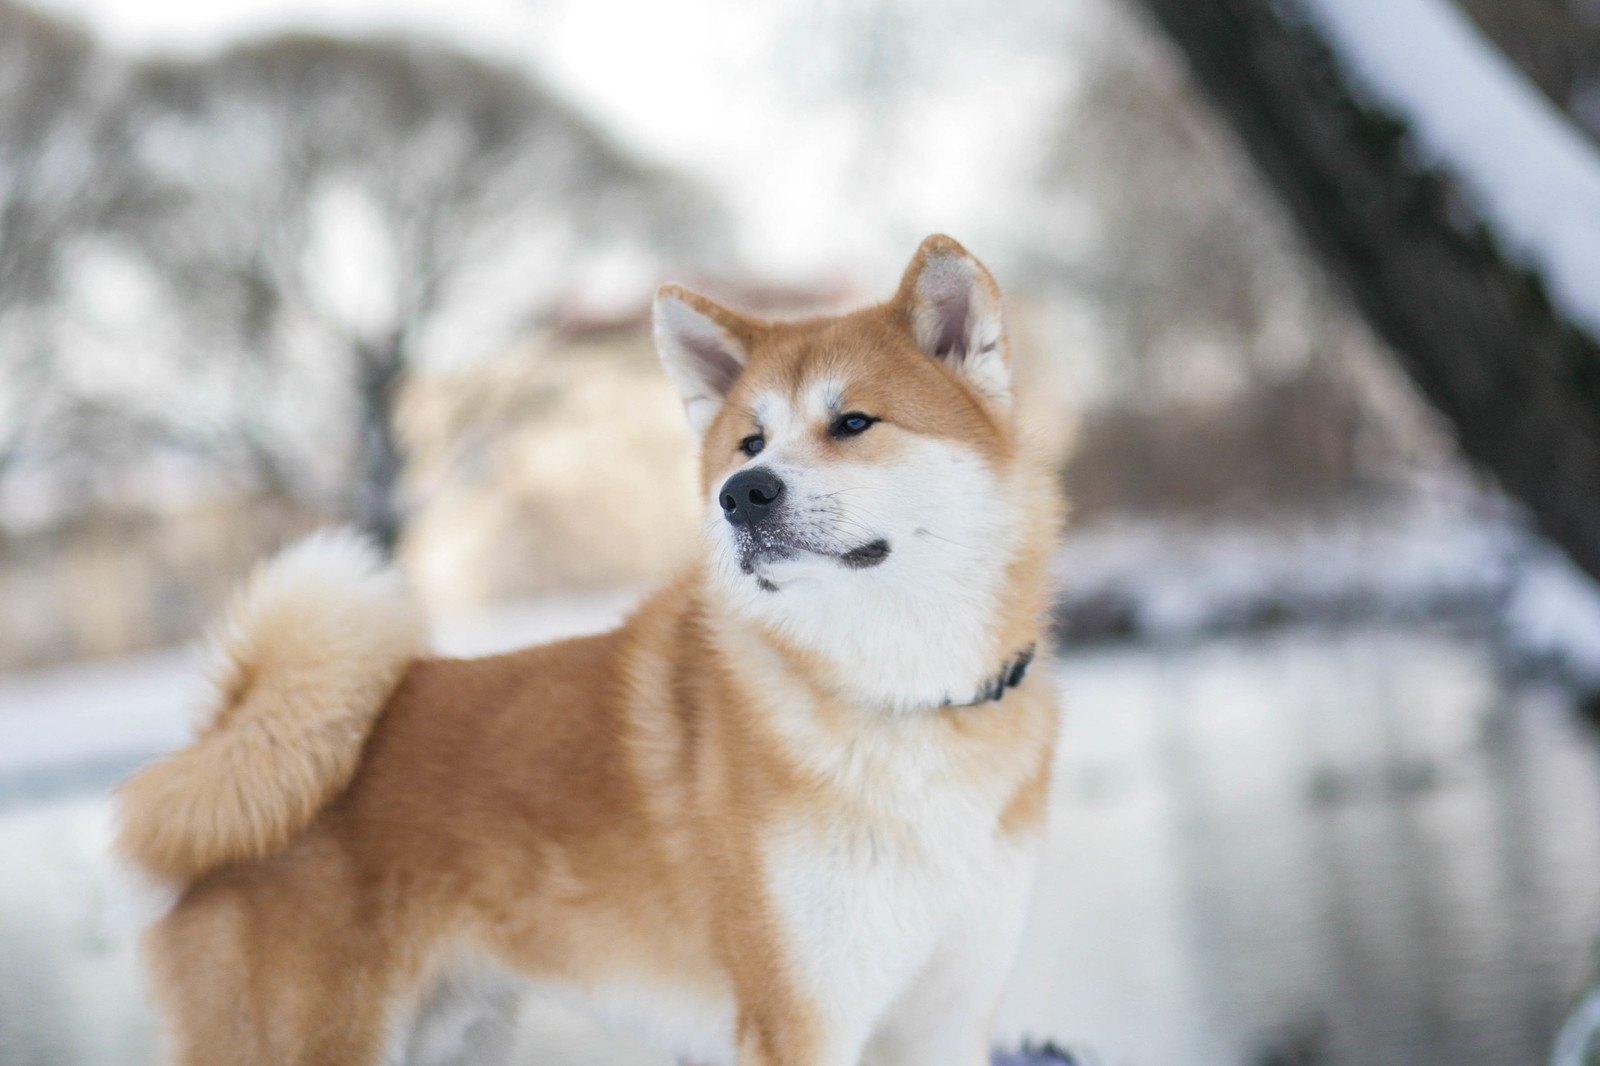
(1010, 676)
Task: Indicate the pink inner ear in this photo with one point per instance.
(952, 340)
(948, 292)
(718, 369)
(706, 352)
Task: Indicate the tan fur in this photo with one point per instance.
(593, 813)
(308, 654)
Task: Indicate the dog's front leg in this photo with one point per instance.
(945, 1017)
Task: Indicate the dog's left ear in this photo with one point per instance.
(703, 347)
(953, 308)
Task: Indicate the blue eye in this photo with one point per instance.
(851, 424)
(753, 444)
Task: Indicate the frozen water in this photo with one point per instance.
(1360, 845)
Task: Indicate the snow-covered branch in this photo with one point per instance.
(1530, 173)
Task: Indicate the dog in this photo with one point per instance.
(786, 815)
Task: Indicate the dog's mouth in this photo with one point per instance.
(757, 550)
(866, 556)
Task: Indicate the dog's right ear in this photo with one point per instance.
(703, 346)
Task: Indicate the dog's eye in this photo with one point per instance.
(753, 444)
(851, 424)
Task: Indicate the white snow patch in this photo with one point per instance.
(1553, 617)
(1182, 581)
(100, 713)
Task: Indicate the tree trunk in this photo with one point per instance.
(1520, 384)
(377, 489)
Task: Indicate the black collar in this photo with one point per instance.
(1010, 676)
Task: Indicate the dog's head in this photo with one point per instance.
(860, 472)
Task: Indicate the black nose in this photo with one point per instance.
(748, 495)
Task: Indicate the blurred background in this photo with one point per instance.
(1304, 296)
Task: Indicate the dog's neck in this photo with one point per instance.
(921, 649)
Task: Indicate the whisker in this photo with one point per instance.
(948, 540)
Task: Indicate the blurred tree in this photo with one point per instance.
(1519, 383)
(233, 262)
(352, 208)
(57, 147)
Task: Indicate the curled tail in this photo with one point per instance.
(309, 652)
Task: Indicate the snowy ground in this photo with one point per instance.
(1356, 845)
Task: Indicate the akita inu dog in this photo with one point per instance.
(786, 814)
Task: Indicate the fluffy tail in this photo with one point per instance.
(309, 652)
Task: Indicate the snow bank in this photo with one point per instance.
(1553, 616)
(1172, 583)
(79, 723)
(1531, 173)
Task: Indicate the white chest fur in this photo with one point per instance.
(867, 887)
